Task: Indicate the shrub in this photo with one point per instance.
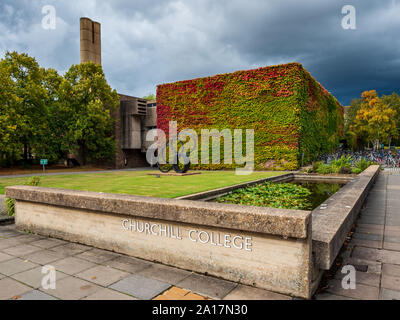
(343, 162)
(324, 169)
(10, 207)
(316, 165)
(363, 164)
(34, 181)
(356, 170)
(10, 203)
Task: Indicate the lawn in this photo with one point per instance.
(140, 183)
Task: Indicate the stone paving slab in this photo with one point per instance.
(242, 292)
(14, 266)
(108, 294)
(369, 279)
(33, 277)
(367, 243)
(72, 265)
(48, 243)
(391, 246)
(98, 255)
(36, 295)
(71, 288)
(391, 270)
(362, 292)
(102, 275)
(176, 293)
(328, 296)
(71, 249)
(211, 287)
(129, 264)
(43, 256)
(141, 287)
(164, 273)
(10, 288)
(5, 257)
(387, 294)
(21, 250)
(390, 282)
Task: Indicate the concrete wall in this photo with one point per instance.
(90, 41)
(332, 224)
(265, 247)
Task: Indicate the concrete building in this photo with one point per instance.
(134, 117)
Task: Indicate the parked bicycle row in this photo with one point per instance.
(386, 158)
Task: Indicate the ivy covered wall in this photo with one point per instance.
(290, 112)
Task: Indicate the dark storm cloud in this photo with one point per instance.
(148, 42)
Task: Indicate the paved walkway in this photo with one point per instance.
(87, 273)
(374, 249)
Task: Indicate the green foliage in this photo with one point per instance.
(151, 96)
(45, 115)
(10, 203)
(363, 164)
(325, 169)
(343, 161)
(33, 181)
(393, 101)
(344, 165)
(87, 101)
(288, 110)
(10, 207)
(285, 195)
(23, 101)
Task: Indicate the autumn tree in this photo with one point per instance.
(375, 120)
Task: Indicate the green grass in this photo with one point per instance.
(140, 183)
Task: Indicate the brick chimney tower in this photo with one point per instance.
(90, 41)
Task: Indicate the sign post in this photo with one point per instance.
(44, 163)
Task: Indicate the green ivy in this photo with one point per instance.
(294, 118)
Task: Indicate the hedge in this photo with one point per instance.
(290, 112)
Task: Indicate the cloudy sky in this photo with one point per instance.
(149, 42)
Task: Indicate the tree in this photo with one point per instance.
(375, 120)
(150, 96)
(51, 142)
(393, 101)
(24, 110)
(9, 145)
(87, 102)
(349, 118)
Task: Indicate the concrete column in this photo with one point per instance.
(90, 41)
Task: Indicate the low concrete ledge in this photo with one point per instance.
(281, 222)
(263, 247)
(330, 226)
(206, 195)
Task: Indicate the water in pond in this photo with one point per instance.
(320, 191)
